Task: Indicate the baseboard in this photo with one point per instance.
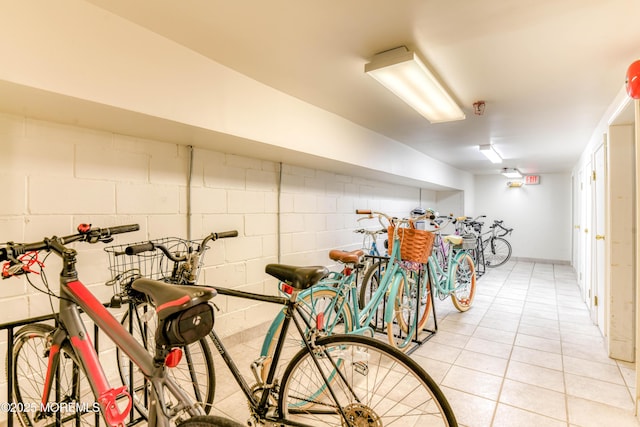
(542, 260)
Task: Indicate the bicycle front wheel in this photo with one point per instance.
(463, 279)
(401, 327)
(30, 360)
(420, 299)
(352, 380)
(497, 252)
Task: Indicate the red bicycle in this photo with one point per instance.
(58, 377)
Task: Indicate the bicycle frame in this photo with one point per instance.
(389, 283)
(72, 335)
(260, 406)
(440, 278)
(74, 294)
(493, 234)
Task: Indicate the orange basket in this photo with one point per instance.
(415, 245)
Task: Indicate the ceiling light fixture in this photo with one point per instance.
(402, 72)
(511, 173)
(490, 153)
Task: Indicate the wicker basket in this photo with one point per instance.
(415, 245)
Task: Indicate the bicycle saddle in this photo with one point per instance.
(298, 277)
(169, 298)
(453, 239)
(345, 257)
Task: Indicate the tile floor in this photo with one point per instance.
(526, 354)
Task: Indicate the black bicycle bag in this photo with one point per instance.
(188, 326)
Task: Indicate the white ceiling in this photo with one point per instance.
(547, 69)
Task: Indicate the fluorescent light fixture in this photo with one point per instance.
(490, 153)
(402, 72)
(511, 173)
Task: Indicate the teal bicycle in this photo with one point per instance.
(456, 277)
(332, 305)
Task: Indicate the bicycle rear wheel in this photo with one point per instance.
(497, 252)
(71, 401)
(369, 383)
(463, 279)
(194, 374)
(209, 421)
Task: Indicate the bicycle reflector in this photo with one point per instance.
(173, 358)
(633, 80)
(287, 289)
(320, 321)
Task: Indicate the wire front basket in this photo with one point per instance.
(154, 264)
(469, 241)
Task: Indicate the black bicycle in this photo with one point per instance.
(328, 380)
(495, 248)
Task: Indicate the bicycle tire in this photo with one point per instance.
(463, 278)
(336, 321)
(497, 252)
(386, 379)
(404, 314)
(30, 360)
(372, 279)
(195, 373)
(209, 421)
(419, 292)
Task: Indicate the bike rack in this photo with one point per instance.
(418, 338)
(10, 328)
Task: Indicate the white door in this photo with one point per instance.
(586, 233)
(597, 239)
(576, 180)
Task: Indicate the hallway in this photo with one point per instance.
(526, 354)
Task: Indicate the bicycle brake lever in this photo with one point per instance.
(11, 269)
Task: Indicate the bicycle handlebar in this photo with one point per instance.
(505, 230)
(136, 249)
(150, 246)
(370, 232)
(85, 233)
(428, 215)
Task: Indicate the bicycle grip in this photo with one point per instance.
(119, 229)
(141, 247)
(363, 211)
(225, 234)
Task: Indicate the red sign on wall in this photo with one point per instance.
(532, 179)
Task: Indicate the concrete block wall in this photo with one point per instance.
(58, 176)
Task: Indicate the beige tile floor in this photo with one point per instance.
(526, 354)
